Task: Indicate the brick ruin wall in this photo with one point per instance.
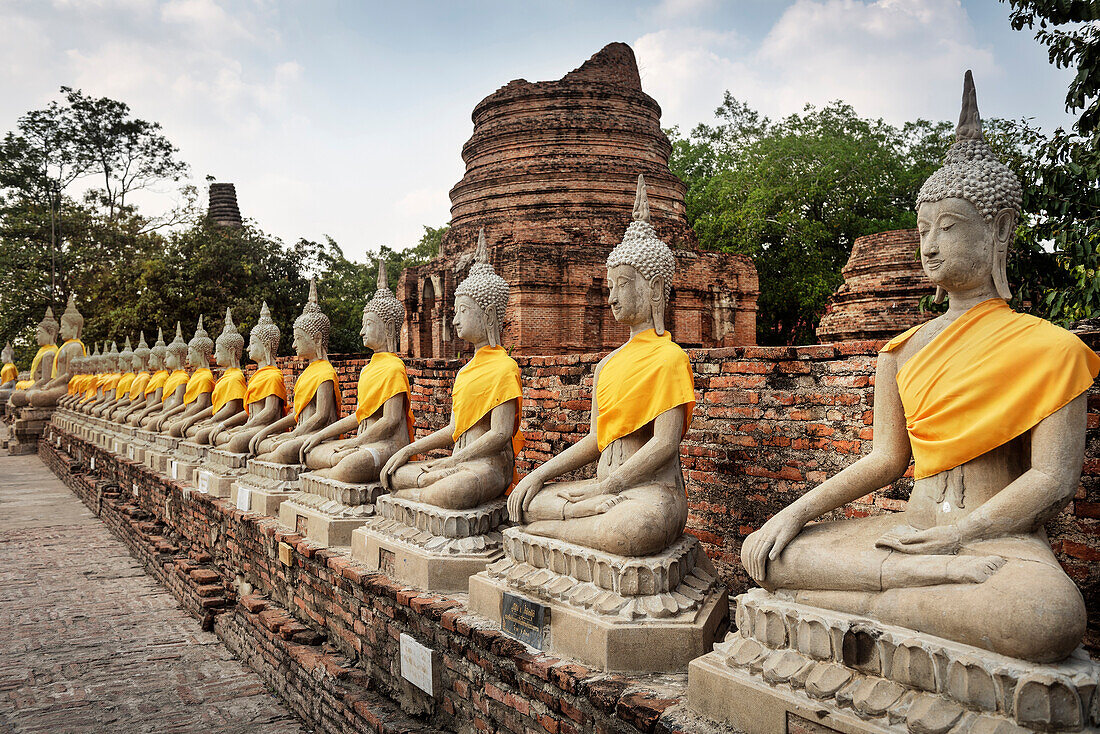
(770, 423)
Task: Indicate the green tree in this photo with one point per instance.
(794, 194)
(1064, 197)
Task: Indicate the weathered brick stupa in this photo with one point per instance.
(222, 209)
(551, 174)
(883, 285)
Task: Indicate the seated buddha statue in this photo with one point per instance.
(90, 386)
(108, 379)
(316, 392)
(79, 367)
(382, 422)
(122, 386)
(990, 405)
(153, 393)
(139, 365)
(72, 324)
(9, 373)
(199, 391)
(265, 394)
(642, 401)
(227, 397)
(485, 408)
(42, 364)
(175, 385)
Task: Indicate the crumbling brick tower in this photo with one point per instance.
(551, 174)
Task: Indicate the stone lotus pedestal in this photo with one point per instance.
(789, 663)
(427, 546)
(617, 613)
(220, 472)
(327, 510)
(188, 458)
(141, 442)
(265, 485)
(161, 450)
(26, 429)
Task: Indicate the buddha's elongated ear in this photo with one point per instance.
(492, 327)
(1004, 228)
(657, 303)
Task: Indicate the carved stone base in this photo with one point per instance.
(617, 613)
(163, 449)
(220, 471)
(327, 510)
(855, 675)
(265, 485)
(139, 445)
(27, 429)
(428, 547)
(189, 456)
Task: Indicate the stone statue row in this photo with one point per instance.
(989, 403)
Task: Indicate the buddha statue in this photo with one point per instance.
(42, 364)
(175, 385)
(122, 387)
(94, 371)
(197, 395)
(139, 366)
(991, 406)
(227, 398)
(153, 394)
(72, 324)
(641, 408)
(9, 373)
(485, 415)
(265, 396)
(108, 380)
(316, 392)
(78, 384)
(382, 422)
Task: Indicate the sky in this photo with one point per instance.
(347, 119)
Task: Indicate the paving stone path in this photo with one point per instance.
(90, 643)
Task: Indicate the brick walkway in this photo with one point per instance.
(92, 644)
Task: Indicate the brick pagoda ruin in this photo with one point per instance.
(883, 285)
(551, 174)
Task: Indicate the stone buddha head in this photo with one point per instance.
(967, 211)
(78, 365)
(481, 300)
(311, 329)
(200, 347)
(95, 361)
(382, 317)
(176, 352)
(158, 354)
(263, 340)
(140, 360)
(47, 329)
(230, 343)
(126, 357)
(72, 323)
(639, 271)
(110, 359)
(7, 354)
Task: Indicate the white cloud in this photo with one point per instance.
(677, 9)
(899, 59)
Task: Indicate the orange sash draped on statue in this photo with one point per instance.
(382, 378)
(200, 383)
(991, 375)
(311, 379)
(156, 381)
(137, 387)
(230, 386)
(8, 373)
(123, 386)
(177, 378)
(490, 379)
(647, 376)
(266, 381)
